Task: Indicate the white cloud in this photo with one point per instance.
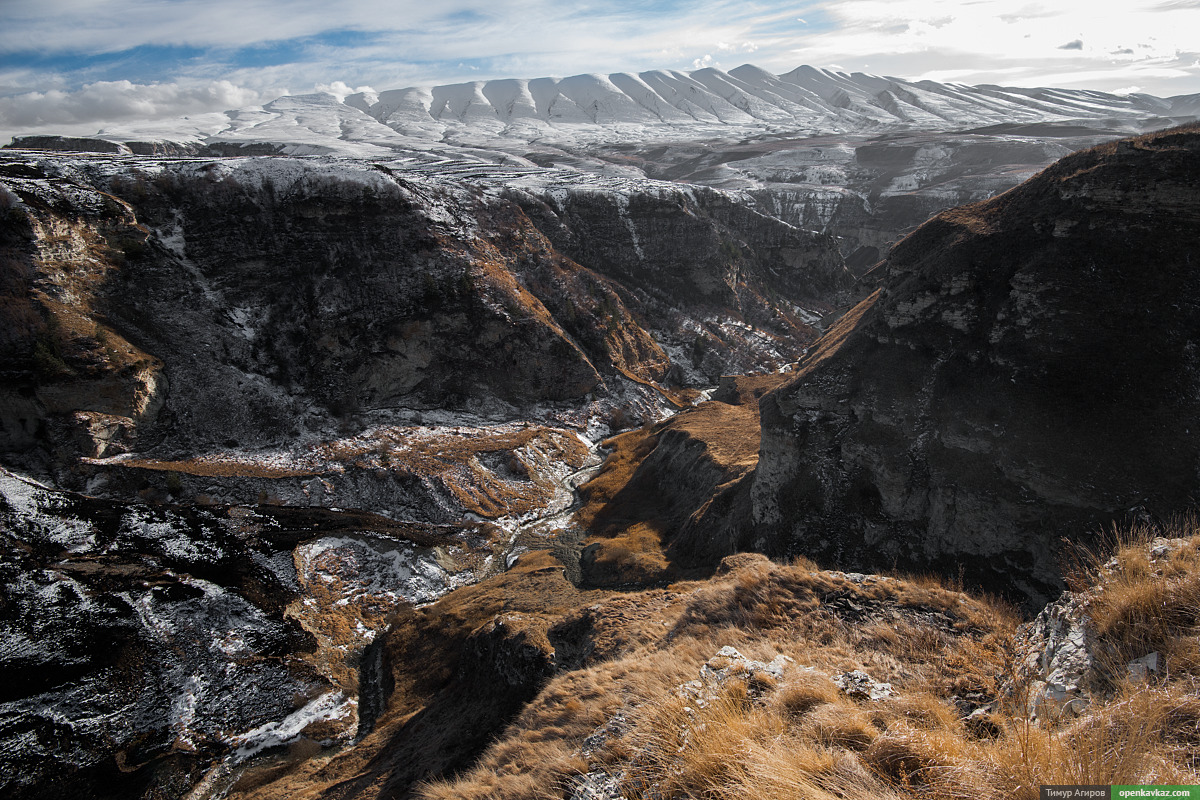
(121, 100)
(744, 47)
(341, 90)
(1001, 41)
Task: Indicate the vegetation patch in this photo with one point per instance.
(645, 721)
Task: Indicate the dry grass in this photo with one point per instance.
(626, 700)
(803, 693)
(216, 467)
(796, 737)
(829, 344)
(715, 750)
(634, 556)
(539, 753)
(628, 450)
(1141, 737)
(637, 506)
(492, 472)
(803, 737)
(1145, 603)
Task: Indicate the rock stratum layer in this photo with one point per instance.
(865, 158)
(1027, 371)
(182, 307)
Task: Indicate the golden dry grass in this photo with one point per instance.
(1145, 603)
(1139, 737)
(635, 508)
(830, 343)
(624, 697)
(492, 472)
(803, 737)
(215, 467)
(797, 735)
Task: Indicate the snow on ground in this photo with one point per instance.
(329, 706)
(372, 569)
(28, 500)
(576, 112)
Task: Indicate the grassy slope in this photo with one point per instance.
(944, 652)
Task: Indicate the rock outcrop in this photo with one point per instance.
(672, 498)
(145, 647)
(1027, 371)
(187, 306)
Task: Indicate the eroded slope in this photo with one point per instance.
(1026, 372)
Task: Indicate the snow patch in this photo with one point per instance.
(329, 706)
(373, 569)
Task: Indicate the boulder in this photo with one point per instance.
(861, 686)
(1057, 651)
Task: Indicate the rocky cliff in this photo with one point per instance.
(144, 647)
(313, 334)
(1027, 371)
(177, 307)
(869, 190)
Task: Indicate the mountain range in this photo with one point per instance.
(580, 110)
(863, 158)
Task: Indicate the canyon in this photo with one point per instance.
(325, 456)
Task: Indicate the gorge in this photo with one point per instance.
(328, 457)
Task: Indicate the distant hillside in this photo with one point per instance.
(591, 109)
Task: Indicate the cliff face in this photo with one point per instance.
(686, 244)
(1027, 371)
(144, 646)
(62, 354)
(869, 190)
(271, 299)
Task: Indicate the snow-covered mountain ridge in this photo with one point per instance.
(862, 157)
(593, 109)
(816, 100)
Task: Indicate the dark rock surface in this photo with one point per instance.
(870, 190)
(142, 645)
(180, 305)
(1028, 371)
(69, 144)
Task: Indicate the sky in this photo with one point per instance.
(74, 66)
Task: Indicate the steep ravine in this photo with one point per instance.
(166, 310)
(239, 353)
(1026, 373)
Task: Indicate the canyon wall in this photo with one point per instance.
(1027, 371)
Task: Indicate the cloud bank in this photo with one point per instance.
(122, 100)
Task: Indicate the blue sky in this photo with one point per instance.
(76, 65)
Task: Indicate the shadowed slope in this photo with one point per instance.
(1028, 371)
